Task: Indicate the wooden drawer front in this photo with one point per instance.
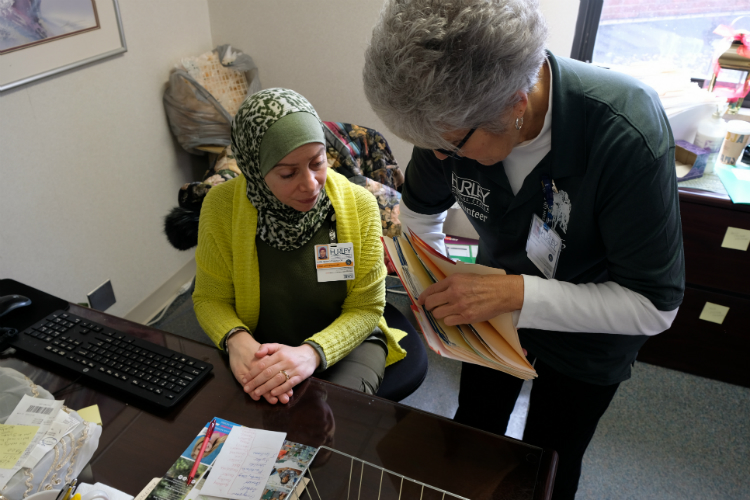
(706, 262)
(703, 348)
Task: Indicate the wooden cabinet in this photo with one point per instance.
(712, 274)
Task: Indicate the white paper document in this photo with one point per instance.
(244, 464)
(61, 425)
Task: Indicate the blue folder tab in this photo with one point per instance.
(736, 180)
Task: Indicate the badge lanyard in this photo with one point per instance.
(544, 244)
(332, 237)
(549, 188)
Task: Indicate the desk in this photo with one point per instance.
(136, 446)
(712, 274)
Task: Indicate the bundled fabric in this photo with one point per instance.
(68, 456)
(204, 93)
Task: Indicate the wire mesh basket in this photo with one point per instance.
(339, 476)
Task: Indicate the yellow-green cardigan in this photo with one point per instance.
(227, 289)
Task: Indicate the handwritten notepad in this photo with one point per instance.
(244, 464)
(14, 439)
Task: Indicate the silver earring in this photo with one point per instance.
(519, 122)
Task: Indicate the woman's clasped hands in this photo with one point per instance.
(269, 370)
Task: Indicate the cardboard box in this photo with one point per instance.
(690, 160)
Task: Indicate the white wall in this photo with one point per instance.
(89, 167)
(561, 16)
(316, 47)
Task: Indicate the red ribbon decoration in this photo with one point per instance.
(730, 35)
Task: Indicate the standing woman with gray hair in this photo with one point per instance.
(566, 171)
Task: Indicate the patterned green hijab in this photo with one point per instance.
(279, 225)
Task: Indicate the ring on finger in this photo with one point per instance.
(283, 372)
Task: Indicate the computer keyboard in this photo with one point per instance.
(152, 374)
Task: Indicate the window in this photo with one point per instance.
(675, 33)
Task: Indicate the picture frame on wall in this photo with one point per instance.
(42, 38)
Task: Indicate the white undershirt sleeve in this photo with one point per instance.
(427, 227)
(589, 307)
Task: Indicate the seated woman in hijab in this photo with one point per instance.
(259, 294)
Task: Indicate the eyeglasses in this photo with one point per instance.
(454, 154)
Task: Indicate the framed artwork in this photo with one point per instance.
(41, 38)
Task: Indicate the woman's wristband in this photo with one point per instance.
(231, 332)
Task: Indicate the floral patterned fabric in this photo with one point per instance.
(363, 156)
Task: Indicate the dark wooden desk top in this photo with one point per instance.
(137, 446)
(701, 197)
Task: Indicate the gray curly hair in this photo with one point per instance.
(435, 66)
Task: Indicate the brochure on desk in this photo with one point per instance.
(291, 464)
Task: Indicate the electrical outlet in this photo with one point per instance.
(103, 297)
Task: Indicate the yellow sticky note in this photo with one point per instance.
(736, 238)
(14, 439)
(714, 313)
(91, 414)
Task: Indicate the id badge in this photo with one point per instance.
(543, 247)
(334, 262)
